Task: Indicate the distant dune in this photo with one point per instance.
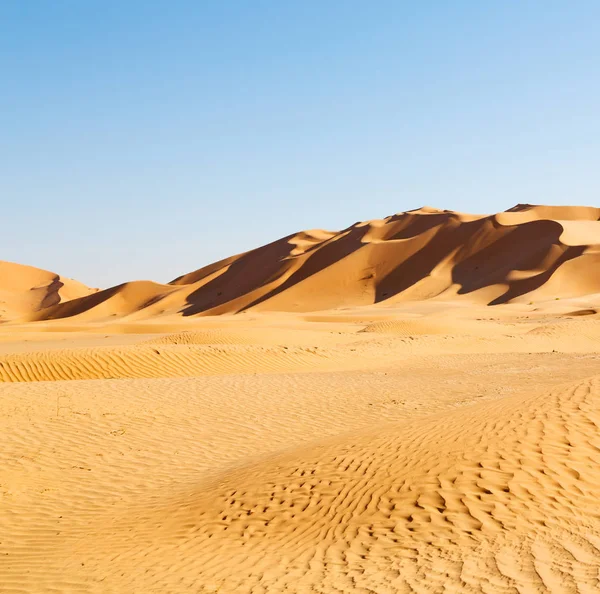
(26, 290)
(528, 252)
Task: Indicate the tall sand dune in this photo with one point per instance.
(526, 253)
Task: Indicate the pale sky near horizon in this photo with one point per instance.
(145, 139)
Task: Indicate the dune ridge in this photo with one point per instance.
(525, 253)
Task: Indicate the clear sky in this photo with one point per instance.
(144, 139)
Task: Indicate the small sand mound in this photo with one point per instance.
(582, 312)
(589, 329)
(216, 336)
(430, 326)
(244, 336)
(407, 327)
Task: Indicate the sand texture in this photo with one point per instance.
(358, 419)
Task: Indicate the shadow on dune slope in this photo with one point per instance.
(421, 254)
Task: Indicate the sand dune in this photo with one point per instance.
(25, 290)
(355, 419)
(526, 253)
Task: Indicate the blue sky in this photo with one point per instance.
(146, 139)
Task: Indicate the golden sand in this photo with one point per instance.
(328, 438)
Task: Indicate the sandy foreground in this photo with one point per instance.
(429, 447)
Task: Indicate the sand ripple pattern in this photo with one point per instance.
(144, 361)
(430, 326)
(209, 336)
(500, 497)
(588, 329)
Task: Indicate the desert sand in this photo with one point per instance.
(411, 404)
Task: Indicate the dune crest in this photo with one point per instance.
(525, 253)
